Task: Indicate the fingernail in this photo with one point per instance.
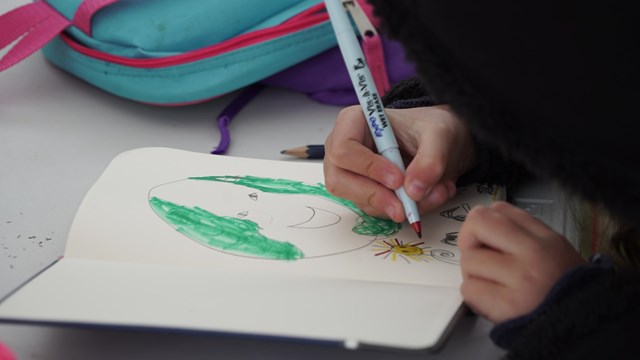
(451, 187)
(416, 189)
(434, 198)
(391, 212)
(389, 180)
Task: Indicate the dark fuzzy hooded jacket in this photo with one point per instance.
(553, 87)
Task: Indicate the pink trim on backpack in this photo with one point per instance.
(30, 27)
(255, 37)
(315, 9)
(86, 10)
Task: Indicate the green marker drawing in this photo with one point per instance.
(245, 237)
(367, 225)
(223, 232)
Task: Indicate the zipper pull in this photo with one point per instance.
(371, 44)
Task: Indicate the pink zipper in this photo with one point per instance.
(304, 20)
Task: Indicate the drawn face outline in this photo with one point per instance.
(284, 217)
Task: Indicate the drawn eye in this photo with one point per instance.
(444, 256)
(451, 238)
(257, 216)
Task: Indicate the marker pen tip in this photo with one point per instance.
(417, 228)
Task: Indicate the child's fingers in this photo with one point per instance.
(438, 195)
(349, 147)
(484, 226)
(488, 299)
(427, 168)
(524, 219)
(487, 264)
(367, 194)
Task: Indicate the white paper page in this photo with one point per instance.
(121, 220)
(141, 295)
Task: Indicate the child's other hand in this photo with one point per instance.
(510, 260)
(437, 142)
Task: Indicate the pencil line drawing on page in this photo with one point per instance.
(458, 213)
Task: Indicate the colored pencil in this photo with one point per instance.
(306, 152)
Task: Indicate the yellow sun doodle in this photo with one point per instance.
(395, 249)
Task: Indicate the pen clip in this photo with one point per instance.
(363, 24)
(371, 44)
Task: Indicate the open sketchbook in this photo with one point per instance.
(170, 239)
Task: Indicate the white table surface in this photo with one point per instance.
(57, 135)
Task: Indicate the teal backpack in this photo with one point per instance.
(168, 52)
(171, 52)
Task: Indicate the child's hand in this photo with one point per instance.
(438, 142)
(510, 260)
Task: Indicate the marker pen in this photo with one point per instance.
(370, 101)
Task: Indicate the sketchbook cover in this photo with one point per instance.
(172, 239)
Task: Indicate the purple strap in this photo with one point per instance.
(230, 112)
